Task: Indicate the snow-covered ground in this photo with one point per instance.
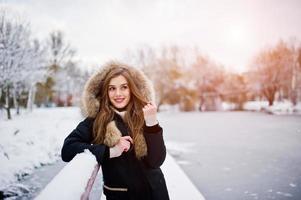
(35, 139)
(32, 140)
(284, 107)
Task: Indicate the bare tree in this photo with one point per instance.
(165, 72)
(208, 78)
(162, 68)
(60, 55)
(234, 90)
(273, 70)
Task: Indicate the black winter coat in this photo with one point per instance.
(143, 178)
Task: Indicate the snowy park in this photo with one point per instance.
(41, 136)
(225, 155)
(222, 78)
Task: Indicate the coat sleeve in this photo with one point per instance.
(80, 139)
(156, 150)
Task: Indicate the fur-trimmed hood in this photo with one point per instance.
(90, 102)
(91, 90)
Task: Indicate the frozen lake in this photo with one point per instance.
(237, 155)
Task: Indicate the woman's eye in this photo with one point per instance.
(124, 87)
(111, 89)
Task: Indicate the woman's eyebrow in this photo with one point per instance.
(120, 84)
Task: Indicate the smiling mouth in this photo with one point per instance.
(119, 100)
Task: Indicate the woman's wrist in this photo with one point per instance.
(113, 152)
(151, 121)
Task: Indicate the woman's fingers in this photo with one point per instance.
(123, 144)
(149, 108)
(126, 142)
(128, 138)
(150, 112)
(149, 105)
(126, 146)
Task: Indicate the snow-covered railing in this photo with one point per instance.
(179, 185)
(74, 181)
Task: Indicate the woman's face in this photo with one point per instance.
(119, 92)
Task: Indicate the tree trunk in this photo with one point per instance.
(31, 96)
(294, 98)
(271, 97)
(16, 103)
(271, 101)
(28, 104)
(269, 93)
(7, 107)
(293, 86)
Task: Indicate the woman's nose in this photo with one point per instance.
(118, 92)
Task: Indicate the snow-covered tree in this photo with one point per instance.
(19, 57)
(37, 71)
(14, 39)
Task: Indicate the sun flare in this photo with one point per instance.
(237, 36)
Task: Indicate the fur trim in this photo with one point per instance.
(91, 103)
(113, 135)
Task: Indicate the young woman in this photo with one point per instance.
(122, 131)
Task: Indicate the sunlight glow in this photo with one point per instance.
(238, 42)
(237, 36)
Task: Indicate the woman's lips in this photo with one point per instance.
(119, 100)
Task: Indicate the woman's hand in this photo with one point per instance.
(150, 114)
(124, 144)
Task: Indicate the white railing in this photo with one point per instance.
(86, 194)
(76, 179)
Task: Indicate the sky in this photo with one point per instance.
(230, 32)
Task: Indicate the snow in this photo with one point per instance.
(179, 185)
(282, 107)
(35, 139)
(32, 140)
(69, 176)
(278, 108)
(85, 163)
